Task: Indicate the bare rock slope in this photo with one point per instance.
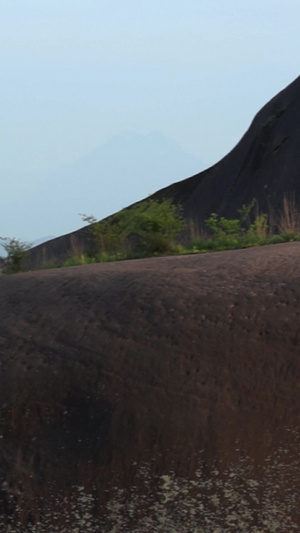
(265, 165)
(154, 395)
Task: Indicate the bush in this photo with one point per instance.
(147, 228)
(239, 231)
(153, 226)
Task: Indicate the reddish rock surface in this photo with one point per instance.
(153, 395)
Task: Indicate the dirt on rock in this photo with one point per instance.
(152, 395)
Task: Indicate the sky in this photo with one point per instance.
(76, 73)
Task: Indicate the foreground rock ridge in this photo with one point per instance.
(264, 165)
(153, 395)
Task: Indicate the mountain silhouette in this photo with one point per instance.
(123, 170)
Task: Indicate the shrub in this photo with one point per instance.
(239, 229)
(222, 228)
(259, 228)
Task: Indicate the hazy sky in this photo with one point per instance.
(76, 72)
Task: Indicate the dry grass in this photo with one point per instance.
(261, 228)
(289, 220)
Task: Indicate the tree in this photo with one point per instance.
(155, 226)
(16, 252)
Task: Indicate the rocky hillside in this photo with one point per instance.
(264, 165)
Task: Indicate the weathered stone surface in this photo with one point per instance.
(264, 165)
(159, 395)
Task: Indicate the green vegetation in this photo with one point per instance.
(237, 233)
(151, 228)
(157, 228)
(16, 252)
(250, 229)
(148, 228)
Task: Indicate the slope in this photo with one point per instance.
(264, 165)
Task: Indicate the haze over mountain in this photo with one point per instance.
(125, 169)
(130, 164)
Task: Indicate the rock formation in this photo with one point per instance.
(264, 165)
(153, 395)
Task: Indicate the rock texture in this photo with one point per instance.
(157, 395)
(264, 165)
